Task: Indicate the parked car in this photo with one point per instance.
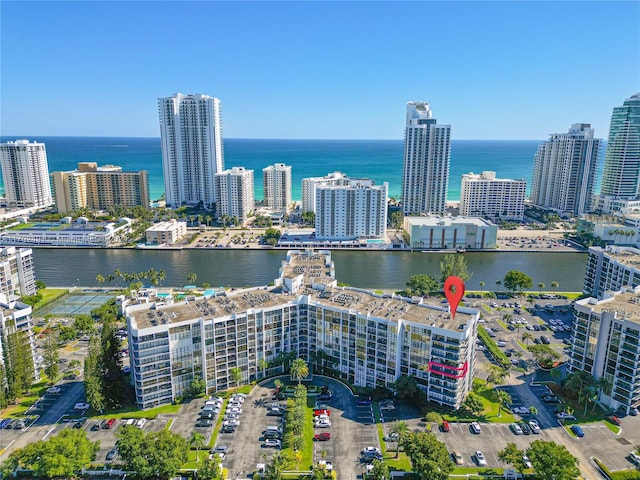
(525, 428)
(205, 422)
(80, 422)
(577, 429)
(109, 423)
(228, 429)
(482, 462)
(111, 454)
(54, 390)
(141, 422)
(526, 461)
(392, 437)
(535, 427)
(613, 419)
(475, 427)
(364, 401)
(81, 406)
(272, 443)
(445, 427)
(515, 428)
(387, 407)
(321, 437)
(457, 457)
(565, 416)
(318, 413)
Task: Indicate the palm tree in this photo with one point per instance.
(236, 376)
(498, 284)
(191, 278)
(100, 279)
(401, 428)
(526, 336)
(541, 285)
(299, 369)
(533, 410)
(197, 439)
(482, 284)
(503, 398)
(262, 365)
(555, 285)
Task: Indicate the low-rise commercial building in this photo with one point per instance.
(365, 338)
(450, 233)
(166, 233)
(606, 345)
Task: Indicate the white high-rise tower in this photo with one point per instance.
(427, 152)
(564, 170)
(192, 151)
(277, 186)
(26, 174)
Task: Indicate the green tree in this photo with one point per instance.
(429, 457)
(497, 374)
(541, 285)
(61, 456)
(18, 361)
(84, 324)
(151, 455)
(553, 461)
(67, 333)
(503, 398)
(236, 376)
(407, 387)
(513, 456)
(397, 220)
(299, 369)
(51, 357)
(401, 428)
(309, 218)
(197, 441)
(555, 285)
(210, 469)
(93, 379)
(515, 280)
(482, 284)
(473, 403)
(422, 285)
(380, 471)
(454, 265)
(526, 336)
(191, 278)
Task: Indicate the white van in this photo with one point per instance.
(140, 423)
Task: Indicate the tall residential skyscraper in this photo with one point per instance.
(192, 151)
(277, 186)
(484, 195)
(621, 177)
(310, 185)
(564, 170)
(427, 152)
(26, 174)
(234, 193)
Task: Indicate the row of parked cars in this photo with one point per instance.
(15, 423)
(231, 418)
(272, 435)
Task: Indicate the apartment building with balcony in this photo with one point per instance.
(277, 186)
(166, 233)
(25, 174)
(100, 188)
(234, 193)
(367, 339)
(606, 344)
(484, 195)
(610, 269)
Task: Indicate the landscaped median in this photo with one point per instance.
(493, 348)
(630, 474)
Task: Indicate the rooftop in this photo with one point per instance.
(625, 255)
(625, 305)
(448, 221)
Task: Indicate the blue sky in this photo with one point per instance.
(493, 70)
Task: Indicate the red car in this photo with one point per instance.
(321, 437)
(321, 412)
(445, 426)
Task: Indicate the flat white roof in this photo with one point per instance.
(448, 221)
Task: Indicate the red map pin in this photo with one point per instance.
(454, 291)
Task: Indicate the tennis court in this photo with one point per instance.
(76, 303)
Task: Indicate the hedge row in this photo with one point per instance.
(493, 348)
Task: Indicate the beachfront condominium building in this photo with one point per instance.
(621, 175)
(610, 269)
(450, 233)
(484, 195)
(99, 188)
(234, 194)
(606, 344)
(16, 273)
(564, 171)
(427, 153)
(26, 174)
(17, 341)
(309, 186)
(192, 152)
(277, 186)
(356, 210)
(366, 338)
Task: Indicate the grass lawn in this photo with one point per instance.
(23, 403)
(52, 293)
(630, 474)
(490, 413)
(502, 324)
(133, 412)
(614, 428)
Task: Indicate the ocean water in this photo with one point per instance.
(380, 160)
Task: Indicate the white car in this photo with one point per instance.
(482, 462)
(475, 427)
(535, 427)
(140, 423)
(370, 451)
(322, 424)
(54, 390)
(81, 406)
(272, 443)
(387, 407)
(527, 462)
(521, 410)
(516, 429)
(565, 416)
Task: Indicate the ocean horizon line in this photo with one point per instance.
(20, 137)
